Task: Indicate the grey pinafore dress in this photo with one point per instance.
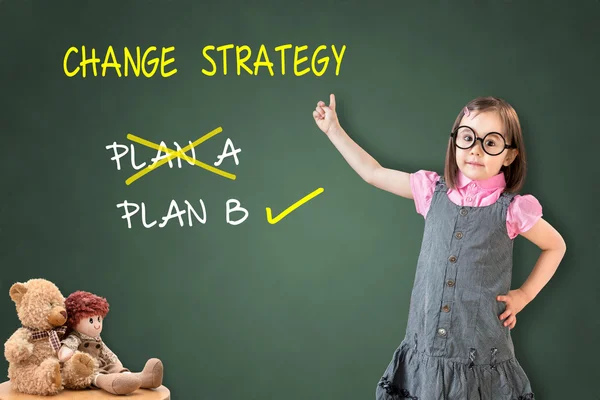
(455, 347)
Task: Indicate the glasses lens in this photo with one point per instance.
(464, 137)
(493, 143)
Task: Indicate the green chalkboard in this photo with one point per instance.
(312, 303)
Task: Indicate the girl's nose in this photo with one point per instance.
(477, 148)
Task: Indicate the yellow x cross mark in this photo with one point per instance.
(172, 154)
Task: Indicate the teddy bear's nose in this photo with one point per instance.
(63, 313)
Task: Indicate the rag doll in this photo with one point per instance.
(86, 313)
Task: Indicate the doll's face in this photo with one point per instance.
(91, 326)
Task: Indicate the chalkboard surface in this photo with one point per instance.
(268, 268)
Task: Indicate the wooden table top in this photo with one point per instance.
(160, 393)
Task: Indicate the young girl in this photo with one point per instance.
(458, 344)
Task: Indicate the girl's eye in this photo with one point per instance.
(91, 320)
(98, 319)
(490, 143)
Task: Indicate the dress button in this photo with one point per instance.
(441, 332)
(459, 235)
(463, 211)
(451, 283)
(469, 199)
(452, 259)
(446, 308)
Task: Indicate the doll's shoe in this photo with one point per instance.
(152, 374)
(118, 383)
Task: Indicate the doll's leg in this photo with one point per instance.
(43, 379)
(78, 371)
(150, 378)
(117, 383)
(152, 374)
(116, 368)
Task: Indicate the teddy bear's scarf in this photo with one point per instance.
(52, 335)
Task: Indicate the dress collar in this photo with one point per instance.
(83, 336)
(495, 182)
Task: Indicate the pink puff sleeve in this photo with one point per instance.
(523, 212)
(422, 185)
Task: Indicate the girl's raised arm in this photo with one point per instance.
(363, 163)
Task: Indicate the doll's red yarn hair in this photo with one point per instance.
(81, 305)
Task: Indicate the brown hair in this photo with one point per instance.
(81, 305)
(516, 171)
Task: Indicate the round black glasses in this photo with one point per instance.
(493, 143)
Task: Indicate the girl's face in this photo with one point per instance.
(91, 326)
(475, 163)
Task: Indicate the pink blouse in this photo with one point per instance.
(523, 212)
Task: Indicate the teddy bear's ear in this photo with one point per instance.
(17, 291)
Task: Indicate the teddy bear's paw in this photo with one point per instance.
(17, 349)
(56, 375)
(83, 364)
(23, 349)
(53, 377)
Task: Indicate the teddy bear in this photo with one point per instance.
(31, 351)
(86, 312)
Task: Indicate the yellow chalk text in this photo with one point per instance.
(243, 59)
(141, 63)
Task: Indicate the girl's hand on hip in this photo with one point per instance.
(515, 301)
(325, 116)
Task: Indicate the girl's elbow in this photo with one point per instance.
(563, 247)
(369, 175)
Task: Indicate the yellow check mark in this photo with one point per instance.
(291, 208)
